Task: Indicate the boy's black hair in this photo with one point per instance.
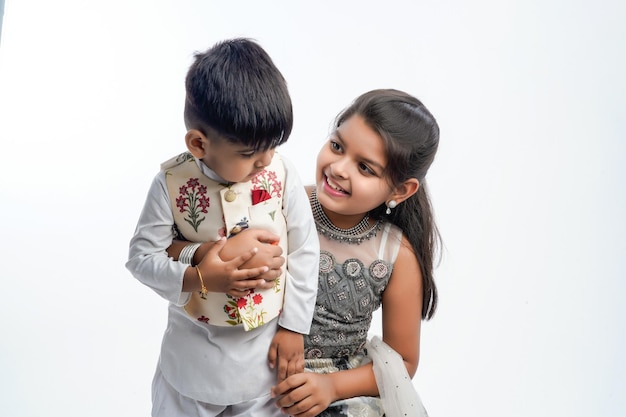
(234, 90)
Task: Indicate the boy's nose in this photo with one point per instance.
(265, 158)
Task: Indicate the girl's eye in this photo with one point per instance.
(335, 146)
(366, 169)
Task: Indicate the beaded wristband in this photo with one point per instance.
(203, 291)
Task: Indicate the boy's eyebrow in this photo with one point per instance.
(245, 149)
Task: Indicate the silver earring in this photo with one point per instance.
(390, 205)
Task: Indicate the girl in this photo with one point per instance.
(377, 239)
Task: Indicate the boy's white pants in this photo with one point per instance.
(167, 402)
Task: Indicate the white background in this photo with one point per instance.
(528, 185)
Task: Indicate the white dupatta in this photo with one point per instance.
(397, 393)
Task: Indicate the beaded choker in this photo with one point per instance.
(354, 235)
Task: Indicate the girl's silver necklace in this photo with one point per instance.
(354, 235)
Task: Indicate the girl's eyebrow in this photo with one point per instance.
(366, 160)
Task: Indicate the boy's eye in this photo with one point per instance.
(247, 154)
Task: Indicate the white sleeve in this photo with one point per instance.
(147, 259)
(303, 256)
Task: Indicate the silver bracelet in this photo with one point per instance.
(186, 255)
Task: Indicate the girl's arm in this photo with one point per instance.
(312, 393)
(402, 308)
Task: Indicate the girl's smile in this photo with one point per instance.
(331, 188)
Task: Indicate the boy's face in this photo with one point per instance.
(231, 161)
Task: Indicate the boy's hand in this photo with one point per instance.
(286, 353)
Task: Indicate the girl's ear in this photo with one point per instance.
(196, 143)
(406, 190)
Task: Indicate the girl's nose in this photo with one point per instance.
(339, 168)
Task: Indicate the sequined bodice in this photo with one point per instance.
(352, 279)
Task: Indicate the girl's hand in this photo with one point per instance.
(226, 276)
(286, 350)
(304, 395)
(268, 252)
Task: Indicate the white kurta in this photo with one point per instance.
(223, 365)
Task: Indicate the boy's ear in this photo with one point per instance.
(196, 143)
(406, 190)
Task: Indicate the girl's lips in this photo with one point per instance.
(329, 189)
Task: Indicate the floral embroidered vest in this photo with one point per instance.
(205, 210)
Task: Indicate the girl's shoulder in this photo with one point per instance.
(391, 241)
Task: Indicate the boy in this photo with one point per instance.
(215, 348)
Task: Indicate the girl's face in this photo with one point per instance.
(349, 180)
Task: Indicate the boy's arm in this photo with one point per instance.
(302, 255)
(147, 258)
(287, 349)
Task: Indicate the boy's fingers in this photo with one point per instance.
(282, 369)
(245, 274)
(271, 357)
(248, 284)
(270, 276)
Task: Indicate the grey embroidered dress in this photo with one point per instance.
(355, 267)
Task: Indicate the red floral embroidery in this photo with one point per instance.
(242, 302)
(258, 299)
(203, 319)
(192, 199)
(232, 312)
(268, 181)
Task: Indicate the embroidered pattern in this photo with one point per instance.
(379, 269)
(193, 200)
(268, 181)
(348, 294)
(246, 310)
(327, 262)
(233, 313)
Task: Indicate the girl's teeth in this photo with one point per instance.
(334, 187)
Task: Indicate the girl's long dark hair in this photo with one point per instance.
(411, 137)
